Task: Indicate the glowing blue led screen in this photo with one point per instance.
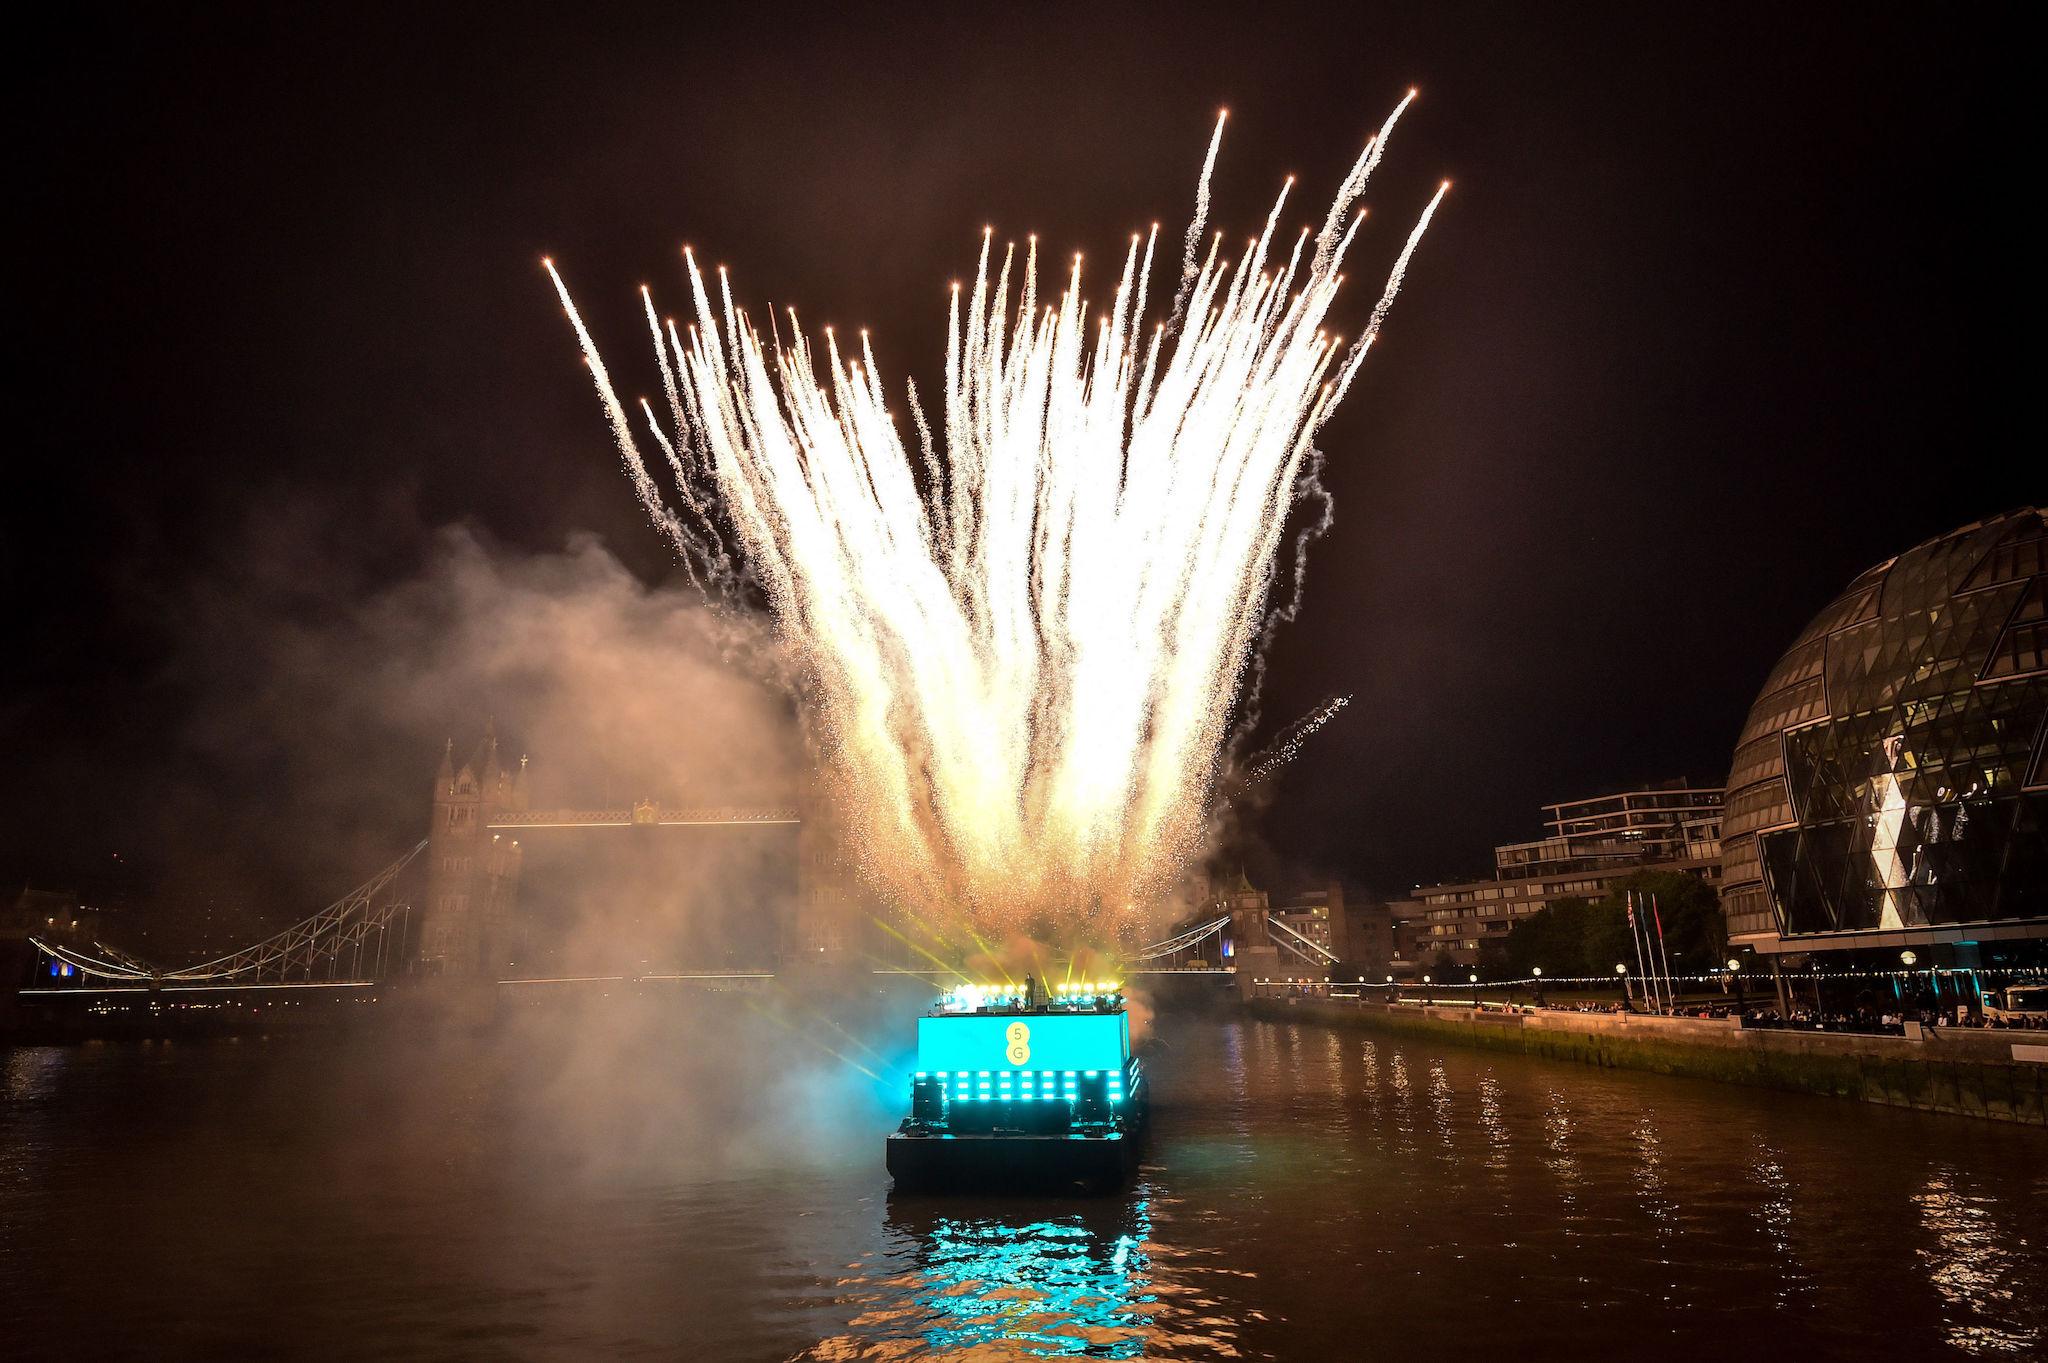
(1024, 1041)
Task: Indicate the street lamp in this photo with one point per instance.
(1536, 972)
(1428, 995)
(1626, 992)
(1735, 974)
(1906, 959)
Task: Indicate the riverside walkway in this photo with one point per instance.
(1998, 1075)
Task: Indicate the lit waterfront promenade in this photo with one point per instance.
(1996, 1074)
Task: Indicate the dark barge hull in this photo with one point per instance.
(1013, 1161)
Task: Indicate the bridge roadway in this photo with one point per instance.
(352, 933)
(679, 977)
(647, 814)
(175, 987)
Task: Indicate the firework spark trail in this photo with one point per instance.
(1289, 745)
(1021, 673)
(1191, 246)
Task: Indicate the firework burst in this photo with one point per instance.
(1023, 635)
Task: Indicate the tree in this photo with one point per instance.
(1695, 933)
(1493, 959)
(1556, 938)
(1574, 937)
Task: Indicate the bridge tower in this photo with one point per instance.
(1251, 940)
(472, 871)
(824, 933)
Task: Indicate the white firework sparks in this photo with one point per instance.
(1023, 645)
(1290, 743)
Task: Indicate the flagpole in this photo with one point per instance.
(1649, 982)
(1662, 954)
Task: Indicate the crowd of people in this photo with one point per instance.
(1860, 1021)
(1891, 1023)
(2034, 1022)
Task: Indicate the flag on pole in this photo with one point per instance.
(1663, 956)
(1635, 936)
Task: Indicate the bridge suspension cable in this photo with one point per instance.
(1307, 948)
(1182, 941)
(346, 924)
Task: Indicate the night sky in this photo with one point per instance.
(1710, 322)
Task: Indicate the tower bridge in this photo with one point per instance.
(648, 814)
(355, 940)
(473, 857)
(368, 934)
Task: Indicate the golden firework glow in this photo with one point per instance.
(1022, 642)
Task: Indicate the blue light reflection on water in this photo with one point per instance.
(1074, 1282)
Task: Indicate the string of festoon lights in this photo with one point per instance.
(1711, 977)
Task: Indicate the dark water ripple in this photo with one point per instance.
(1308, 1194)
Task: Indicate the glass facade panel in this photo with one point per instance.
(1906, 754)
(1754, 761)
(1796, 704)
(2009, 562)
(2020, 647)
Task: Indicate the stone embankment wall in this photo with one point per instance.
(1970, 1073)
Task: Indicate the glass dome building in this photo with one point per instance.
(1888, 789)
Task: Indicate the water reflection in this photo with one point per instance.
(1025, 1281)
(1383, 1197)
(1492, 1123)
(1404, 1121)
(1564, 1167)
(1773, 1213)
(1974, 1268)
(1440, 1112)
(1649, 1178)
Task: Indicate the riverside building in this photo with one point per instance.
(1592, 844)
(1888, 795)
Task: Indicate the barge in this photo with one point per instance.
(1025, 1089)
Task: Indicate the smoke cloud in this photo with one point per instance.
(322, 704)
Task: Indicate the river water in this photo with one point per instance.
(705, 1181)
